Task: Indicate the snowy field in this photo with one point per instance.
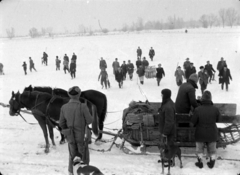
(21, 144)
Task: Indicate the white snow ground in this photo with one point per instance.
(21, 151)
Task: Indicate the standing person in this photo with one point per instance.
(141, 73)
(145, 63)
(210, 71)
(57, 63)
(45, 58)
(138, 62)
(73, 69)
(221, 64)
(115, 66)
(186, 64)
(167, 113)
(119, 77)
(102, 64)
(130, 69)
(151, 53)
(224, 77)
(31, 65)
(160, 74)
(179, 74)
(66, 63)
(204, 119)
(124, 70)
(104, 78)
(66, 57)
(74, 57)
(203, 78)
(75, 115)
(190, 70)
(186, 97)
(139, 52)
(24, 67)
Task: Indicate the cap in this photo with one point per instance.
(75, 90)
(193, 77)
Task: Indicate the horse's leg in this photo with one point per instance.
(62, 141)
(50, 130)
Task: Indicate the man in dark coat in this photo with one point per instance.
(66, 57)
(31, 65)
(167, 119)
(190, 70)
(119, 77)
(124, 70)
(73, 69)
(57, 63)
(45, 58)
(205, 118)
(139, 52)
(221, 64)
(102, 64)
(224, 77)
(186, 98)
(24, 67)
(210, 70)
(74, 57)
(203, 78)
(186, 64)
(141, 73)
(115, 66)
(138, 62)
(104, 78)
(145, 62)
(151, 53)
(160, 74)
(130, 69)
(76, 115)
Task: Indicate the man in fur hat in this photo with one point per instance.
(76, 115)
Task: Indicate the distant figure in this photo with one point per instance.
(221, 64)
(73, 69)
(65, 64)
(24, 67)
(179, 74)
(203, 78)
(66, 57)
(151, 53)
(119, 77)
(103, 76)
(102, 64)
(224, 77)
(1, 69)
(145, 63)
(139, 52)
(45, 58)
(57, 63)
(115, 65)
(210, 71)
(124, 70)
(138, 62)
(31, 65)
(186, 65)
(160, 74)
(141, 73)
(190, 70)
(74, 57)
(186, 31)
(130, 69)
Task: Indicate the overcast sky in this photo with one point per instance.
(64, 15)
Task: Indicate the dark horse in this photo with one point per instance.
(97, 98)
(46, 109)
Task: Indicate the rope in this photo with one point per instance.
(142, 92)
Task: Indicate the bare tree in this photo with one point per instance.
(231, 16)
(33, 32)
(139, 24)
(10, 33)
(222, 14)
(204, 20)
(212, 19)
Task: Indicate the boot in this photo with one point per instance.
(211, 163)
(199, 164)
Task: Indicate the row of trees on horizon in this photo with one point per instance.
(225, 17)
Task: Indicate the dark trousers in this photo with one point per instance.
(57, 67)
(203, 87)
(179, 82)
(223, 85)
(73, 75)
(104, 82)
(65, 68)
(158, 81)
(25, 71)
(32, 68)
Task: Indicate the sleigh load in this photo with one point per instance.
(150, 72)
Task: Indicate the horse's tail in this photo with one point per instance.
(102, 117)
(95, 120)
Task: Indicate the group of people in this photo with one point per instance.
(151, 53)
(31, 66)
(73, 65)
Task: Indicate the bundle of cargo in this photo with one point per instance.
(150, 72)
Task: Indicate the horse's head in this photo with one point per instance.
(29, 88)
(15, 104)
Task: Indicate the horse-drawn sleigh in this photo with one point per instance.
(140, 122)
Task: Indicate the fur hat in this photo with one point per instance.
(207, 95)
(194, 77)
(201, 67)
(166, 93)
(74, 91)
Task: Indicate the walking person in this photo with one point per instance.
(58, 62)
(119, 77)
(179, 74)
(24, 67)
(31, 65)
(139, 52)
(75, 115)
(141, 73)
(160, 74)
(203, 78)
(102, 64)
(190, 70)
(74, 57)
(73, 69)
(224, 77)
(103, 76)
(115, 65)
(151, 53)
(186, 65)
(65, 65)
(145, 63)
(130, 69)
(210, 71)
(221, 64)
(45, 58)
(204, 119)
(124, 70)
(138, 62)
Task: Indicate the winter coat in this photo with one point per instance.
(186, 65)
(189, 71)
(186, 97)
(141, 71)
(24, 66)
(130, 68)
(145, 63)
(73, 67)
(226, 75)
(45, 55)
(139, 52)
(103, 75)
(220, 65)
(151, 53)
(209, 69)
(205, 118)
(160, 72)
(119, 76)
(102, 64)
(203, 77)
(124, 68)
(74, 57)
(74, 108)
(31, 64)
(138, 63)
(66, 58)
(65, 63)
(58, 62)
(179, 74)
(115, 65)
